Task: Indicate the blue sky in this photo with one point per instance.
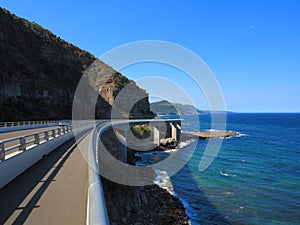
(252, 47)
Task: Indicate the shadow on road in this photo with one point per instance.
(13, 194)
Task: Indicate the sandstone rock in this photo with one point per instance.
(214, 134)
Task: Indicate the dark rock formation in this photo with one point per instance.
(39, 73)
(168, 143)
(142, 205)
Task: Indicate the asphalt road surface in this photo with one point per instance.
(53, 191)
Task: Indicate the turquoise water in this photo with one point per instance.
(255, 178)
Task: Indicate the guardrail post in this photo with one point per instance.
(70, 128)
(22, 144)
(63, 130)
(46, 135)
(36, 139)
(53, 133)
(59, 131)
(2, 152)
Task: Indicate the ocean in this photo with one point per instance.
(255, 178)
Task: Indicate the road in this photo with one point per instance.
(53, 191)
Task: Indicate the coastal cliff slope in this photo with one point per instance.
(39, 73)
(166, 108)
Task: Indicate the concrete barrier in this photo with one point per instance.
(96, 207)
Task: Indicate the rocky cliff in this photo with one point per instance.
(39, 73)
(164, 108)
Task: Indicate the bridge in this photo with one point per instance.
(49, 177)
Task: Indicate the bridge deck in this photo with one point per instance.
(53, 191)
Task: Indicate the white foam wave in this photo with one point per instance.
(163, 181)
(183, 144)
(227, 174)
(171, 150)
(214, 130)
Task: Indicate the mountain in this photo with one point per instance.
(39, 73)
(165, 108)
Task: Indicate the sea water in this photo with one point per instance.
(254, 179)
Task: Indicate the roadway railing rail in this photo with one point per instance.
(23, 143)
(27, 123)
(96, 207)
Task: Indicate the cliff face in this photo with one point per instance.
(39, 73)
(165, 108)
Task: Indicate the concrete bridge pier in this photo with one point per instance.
(159, 130)
(156, 135)
(173, 130)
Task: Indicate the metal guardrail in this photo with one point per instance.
(27, 123)
(22, 143)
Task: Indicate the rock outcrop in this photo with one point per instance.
(39, 73)
(168, 143)
(210, 134)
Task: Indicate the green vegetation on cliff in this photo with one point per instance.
(167, 108)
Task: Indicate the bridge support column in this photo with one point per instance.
(156, 137)
(178, 130)
(174, 130)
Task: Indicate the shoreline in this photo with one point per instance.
(152, 204)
